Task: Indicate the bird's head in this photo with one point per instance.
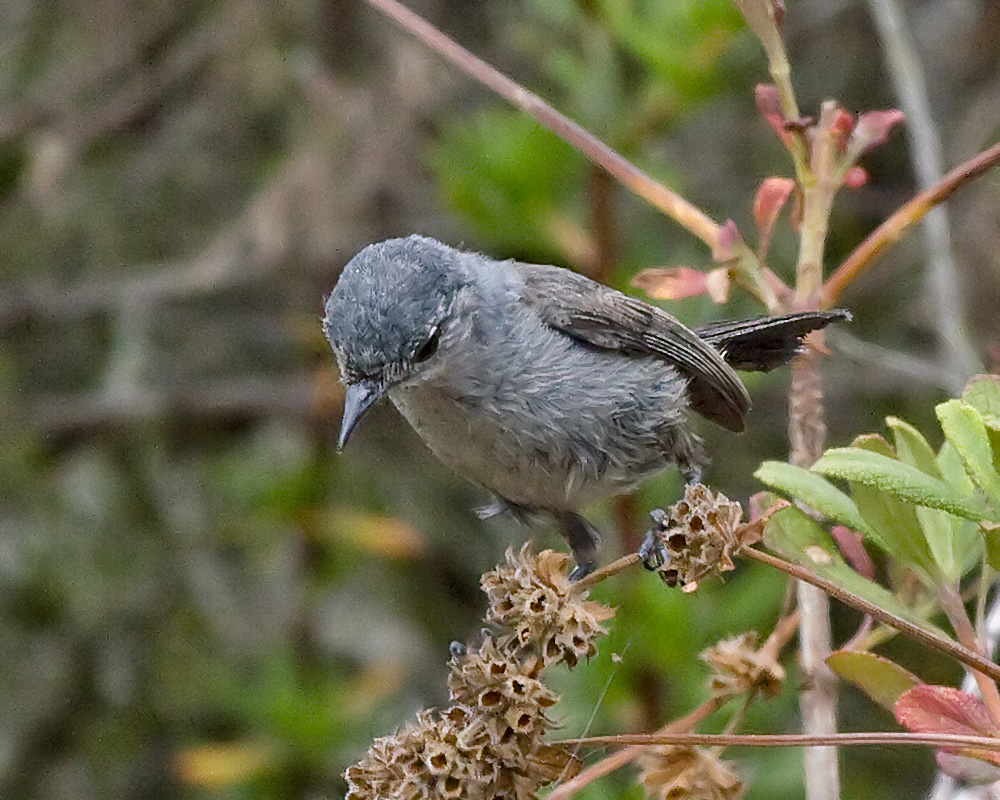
(387, 318)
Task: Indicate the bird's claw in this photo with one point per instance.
(651, 551)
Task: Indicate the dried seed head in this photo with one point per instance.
(698, 536)
(491, 682)
(738, 666)
(459, 754)
(687, 773)
(545, 612)
(487, 745)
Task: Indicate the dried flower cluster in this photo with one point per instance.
(697, 537)
(687, 773)
(545, 611)
(488, 743)
(738, 666)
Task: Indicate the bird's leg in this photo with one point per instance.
(582, 539)
(500, 507)
(692, 473)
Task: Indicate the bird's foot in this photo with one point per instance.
(651, 550)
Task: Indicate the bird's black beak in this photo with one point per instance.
(359, 398)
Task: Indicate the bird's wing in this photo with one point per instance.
(761, 344)
(603, 317)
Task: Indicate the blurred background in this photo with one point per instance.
(199, 598)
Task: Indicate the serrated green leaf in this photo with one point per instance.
(814, 491)
(964, 427)
(912, 448)
(878, 677)
(898, 479)
(797, 537)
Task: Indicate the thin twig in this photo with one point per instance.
(670, 203)
(890, 231)
(963, 654)
(939, 740)
(619, 759)
(613, 568)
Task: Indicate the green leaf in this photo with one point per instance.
(898, 479)
(912, 448)
(940, 536)
(881, 679)
(966, 430)
(815, 491)
(967, 544)
(900, 533)
(896, 522)
(991, 538)
(874, 443)
(983, 393)
(797, 537)
(953, 469)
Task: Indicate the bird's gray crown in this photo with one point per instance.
(387, 303)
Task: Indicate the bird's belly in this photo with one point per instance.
(559, 455)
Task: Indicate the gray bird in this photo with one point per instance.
(541, 385)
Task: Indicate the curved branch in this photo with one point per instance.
(890, 231)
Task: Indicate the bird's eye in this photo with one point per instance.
(428, 348)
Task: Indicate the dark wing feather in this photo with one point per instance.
(603, 317)
(764, 343)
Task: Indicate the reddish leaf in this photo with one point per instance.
(729, 235)
(942, 709)
(872, 129)
(853, 550)
(855, 177)
(767, 204)
(671, 284)
(841, 126)
(768, 100)
(764, 18)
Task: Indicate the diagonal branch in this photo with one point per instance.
(673, 205)
(890, 231)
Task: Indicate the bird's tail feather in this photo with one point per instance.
(761, 344)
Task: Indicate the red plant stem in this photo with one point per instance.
(890, 231)
(937, 740)
(957, 651)
(954, 609)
